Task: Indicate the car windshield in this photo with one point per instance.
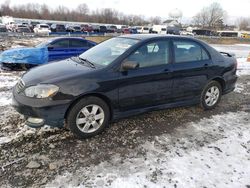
(44, 26)
(43, 44)
(106, 52)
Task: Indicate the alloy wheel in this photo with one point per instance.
(90, 118)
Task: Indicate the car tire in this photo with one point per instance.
(88, 117)
(211, 95)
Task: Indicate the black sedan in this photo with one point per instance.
(124, 76)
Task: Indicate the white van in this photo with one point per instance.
(144, 29)
(160, 29)
(42, 29)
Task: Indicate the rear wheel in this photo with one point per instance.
(88, 117)
(211, 95)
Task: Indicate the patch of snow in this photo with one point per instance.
(23, 131)
(213, 152)
(244, 45)
(4, 140)
(241, 88)
(8, 80)
(18, 46)
(243, 67)
(5, 98)
(238, 50)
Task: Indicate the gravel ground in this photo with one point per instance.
(180, 147)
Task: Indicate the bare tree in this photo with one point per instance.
(210, 17)
(5, 8)
(243, 23)
(155, 20)
(83, 9)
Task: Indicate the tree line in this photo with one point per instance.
(209, 17)
(80, 14)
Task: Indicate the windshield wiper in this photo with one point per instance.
(92, 65)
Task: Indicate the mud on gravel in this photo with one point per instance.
(53, 151)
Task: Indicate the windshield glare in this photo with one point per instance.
(43, 44)
(106, 52)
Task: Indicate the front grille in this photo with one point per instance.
(20, 86)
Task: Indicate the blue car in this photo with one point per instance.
(51, 50)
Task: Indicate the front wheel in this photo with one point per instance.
(211, 95)
(88, 117)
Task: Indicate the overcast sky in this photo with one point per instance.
(240, 8)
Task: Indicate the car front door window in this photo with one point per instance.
(151, 54)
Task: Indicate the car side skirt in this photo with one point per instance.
(119, 115)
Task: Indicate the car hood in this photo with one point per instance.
(55, 72)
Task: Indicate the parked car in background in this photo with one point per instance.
(51, 50)
(69, 28)
(87, 28)
(73, 28)
(144, 30)
(3, 28)
(96, 28)
(159, 29)
(120, 28)
(126, 31)
(11, 26)
(138, 28)
(103, 29)
(133, 30)
(77, 28)
(22, 29)
(58, 28)
(9, 22)
(32, 25)
(111, 29)
(173, 30)
(42, 29)
(124, 76)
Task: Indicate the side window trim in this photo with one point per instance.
(187, 40)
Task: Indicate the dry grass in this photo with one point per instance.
(225, 40)
(98, 39)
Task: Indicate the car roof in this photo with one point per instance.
(70, 38)
(152, 36)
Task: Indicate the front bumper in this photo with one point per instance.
(48, 111)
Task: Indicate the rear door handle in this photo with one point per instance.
(206, 65)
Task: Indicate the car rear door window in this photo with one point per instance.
(188, 51)
(78, 44)
(151, 54)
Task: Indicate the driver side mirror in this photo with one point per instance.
(129, 65)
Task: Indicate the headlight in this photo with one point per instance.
(41, 91)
